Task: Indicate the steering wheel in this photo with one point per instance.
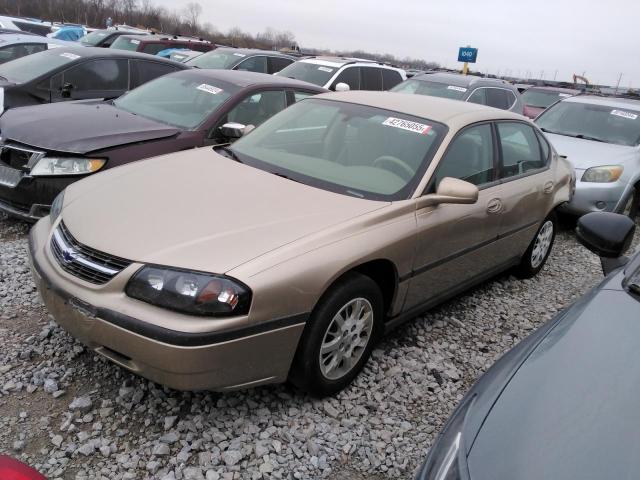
(406, 169)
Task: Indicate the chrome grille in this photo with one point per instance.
(20, 158)
(84, 262)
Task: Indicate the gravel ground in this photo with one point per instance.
(73, 415)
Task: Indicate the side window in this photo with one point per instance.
(255, 109)
(253, 64)
(350, 76)
(511, 98)
(371, 78)
(390, 78)
(12, 52)
(98, 75)
(298, 95)
(143, 71)
(546, 149)
(153, 48)
(469, 157)
(278, 63)
(497, 97)
(478, 96)
(520, 149)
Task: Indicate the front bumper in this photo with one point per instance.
(216, 360)
(30, 198)
(596, 197)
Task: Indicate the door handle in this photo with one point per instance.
(548, 187)
(494, 206)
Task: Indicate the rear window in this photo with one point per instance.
(542, 98)
(126, 43)
(25, 69)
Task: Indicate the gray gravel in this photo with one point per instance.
(73, 415)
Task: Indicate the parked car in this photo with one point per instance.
(78, 73)
(154, 43)
(48, 147)
(468, 88)
(17, 23)
(13, 46)
(251, 60)
(337, 73)
(289, 253)
(561, 403)
(537, 99)
(71, 33)
(104, 38)
(600, 136)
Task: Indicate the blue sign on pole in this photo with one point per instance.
(467, 54)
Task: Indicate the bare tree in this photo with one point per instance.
(191, 13)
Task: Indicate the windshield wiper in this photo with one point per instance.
(546, 130)
(229, 153)
(573, 135)
(587, 137)
(282, 175)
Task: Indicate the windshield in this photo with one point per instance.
(309, 72)
(94, 38)
(25, 69)
(431, 89)
(176, 99)
(542, 98)
(620, 126)
(124, 43)
(217, 59)
(351, 149)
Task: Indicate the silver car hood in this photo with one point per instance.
(584, 154)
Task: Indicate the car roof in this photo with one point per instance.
(337, 62)
(11, 38)
(460, 80)
(451, 112)
(164, 37)
(88, 52)
(255, 51)
(243, 78)
(615, 102)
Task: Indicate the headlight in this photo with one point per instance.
(447, 459)
(190, 292)
(604, 174)
(66, 166)
(56, 207)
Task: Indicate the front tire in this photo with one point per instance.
(339, 336)
(630, 205)
(538, 252)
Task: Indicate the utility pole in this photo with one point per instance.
(555, 75)
(618, 84)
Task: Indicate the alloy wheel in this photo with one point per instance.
(542, 244)
(346, 338)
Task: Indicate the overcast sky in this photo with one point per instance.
(599, 38)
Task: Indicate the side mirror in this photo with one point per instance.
(342, 87)
(608, 235)
(450, 190)
(234, 130)
(65, 91)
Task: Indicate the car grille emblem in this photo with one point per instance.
(69, 255)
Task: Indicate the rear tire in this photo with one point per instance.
(339, 336)
(538, 252)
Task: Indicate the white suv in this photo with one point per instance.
(340, 74)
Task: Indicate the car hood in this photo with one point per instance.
(199, 210)
(79, 127)
(568, 411)
(585, 154)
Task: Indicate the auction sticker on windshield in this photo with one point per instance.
(457, 89)
(407, 125)
(325, 69)
(70, 56)
(622, 113)
(239, 54)
(209, 89)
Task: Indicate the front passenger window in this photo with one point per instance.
(520, 149)
(350, 76)
(469, 157)
(478, 96)
(253, 64)
(254, 109)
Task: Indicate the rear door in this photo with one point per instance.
(275, 64)
(371, 78)
(456, 244)
(96, 78)
(527, 184)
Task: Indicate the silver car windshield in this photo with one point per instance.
(602, 123)
(431, 89)
(348, 148)
(176, 100)
(308, 72)
(218, 59)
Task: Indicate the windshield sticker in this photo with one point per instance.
(70, 56)
(325, 69)
(564, 95)
(457, 89)
(239, 54)
(135, 42)
(407, 125)
(209, 89)
(623, 114)
(53, 45)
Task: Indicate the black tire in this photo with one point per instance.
(306, 372)
(528, 267)
(630, 204)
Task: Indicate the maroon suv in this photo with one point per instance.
(537, 99)
(154, 43)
